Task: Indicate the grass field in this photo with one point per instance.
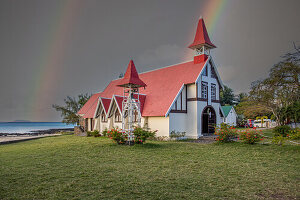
(70, 167)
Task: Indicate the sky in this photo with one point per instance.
(51, 49)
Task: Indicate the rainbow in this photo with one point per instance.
(211, 12)
(49, 70)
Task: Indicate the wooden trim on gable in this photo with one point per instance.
(186, 97)
(196, 99)
(178, 111)
(215, 101)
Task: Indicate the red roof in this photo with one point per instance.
(106, 103)
(91, 111)
(201, 37)
(162, 86)
(94, 98)
(131, 77)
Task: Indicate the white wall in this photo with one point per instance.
(191, 91)
(178, 122)
(89, 128)
(159, 123)
(231, 118)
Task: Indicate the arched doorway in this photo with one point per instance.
(208, 120)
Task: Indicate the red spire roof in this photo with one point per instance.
(201, 37)
(131, 77)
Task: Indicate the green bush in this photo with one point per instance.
(279, 140)
(225, 133)
(95, 133)
(141, 135)
(282, 130)
(176, 135)
(104, 133)
(294, 134)
(89, 133)
(250, 136)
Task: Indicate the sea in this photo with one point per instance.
(27, 127)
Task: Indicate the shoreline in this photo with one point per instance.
(37, 132)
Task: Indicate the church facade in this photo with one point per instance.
(181, 98)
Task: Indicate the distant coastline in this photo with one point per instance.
(38, 132)
(33, 128)
(21, 121)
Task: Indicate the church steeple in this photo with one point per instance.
(202, 44)
(131, 77)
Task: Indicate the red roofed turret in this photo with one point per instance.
(131, 77)
(201, 37)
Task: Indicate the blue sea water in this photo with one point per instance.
(27, 127)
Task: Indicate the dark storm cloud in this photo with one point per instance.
(250, 36)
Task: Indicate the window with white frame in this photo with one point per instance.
(213, 92)
(204, 73)
(213, 73)
(204, 86)
(117, 116)
(135, 116)
(103, 117)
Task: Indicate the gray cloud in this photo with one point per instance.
(104, 35)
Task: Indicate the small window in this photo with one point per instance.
(117, 116)
(204, 73)
(203, 90)
(103, 117)
(213, 73)
(135, 116)
(213, 92)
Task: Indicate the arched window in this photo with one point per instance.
(135, 116)
(103, 117)
(117, 116)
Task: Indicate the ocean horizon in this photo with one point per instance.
(28, 127)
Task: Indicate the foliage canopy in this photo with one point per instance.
(71, 107)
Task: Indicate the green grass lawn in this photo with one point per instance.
(70, 167)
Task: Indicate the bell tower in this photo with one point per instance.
(131, 83)
(202, 44)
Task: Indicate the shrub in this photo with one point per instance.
(118, 136)
(89, 133)
(95, 133)
(279, 140)
(294, 134)
(104, 133)
(282, 130)
(250, 136)
(225, 133)
(141, 135)
(176, 135)
(160, 138)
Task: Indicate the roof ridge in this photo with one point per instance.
(158, 69)
(166, 66)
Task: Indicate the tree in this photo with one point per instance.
(281, 88)
(292, 112)
(242, 97)
(226, 96)
(251, 109)
(73, 105)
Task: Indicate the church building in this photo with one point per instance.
(183, 97)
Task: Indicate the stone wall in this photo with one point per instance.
(79, 131)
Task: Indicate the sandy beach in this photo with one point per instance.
(6, 138)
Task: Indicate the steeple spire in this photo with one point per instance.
(202, 43)
(201, 37)
(131, 77)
